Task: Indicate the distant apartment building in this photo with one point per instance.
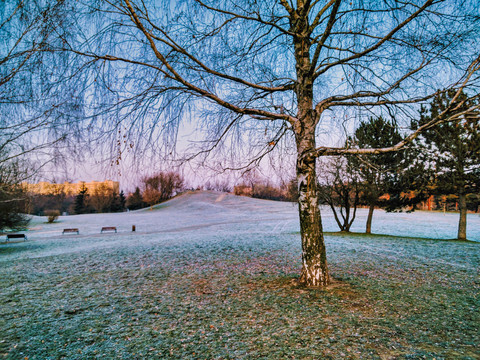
(68, 188)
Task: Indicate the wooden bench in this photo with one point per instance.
(17, 236)
(108, 228)
(75, 230)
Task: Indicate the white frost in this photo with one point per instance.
(204, 215)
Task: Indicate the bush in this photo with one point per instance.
(52, 215)
(242, 190)
(218, 185)
(268, 192)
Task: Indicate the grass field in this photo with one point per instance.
(212, 276)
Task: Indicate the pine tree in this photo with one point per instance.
(377, 172)
(454, 149)
(123, 200)
(80, 205)
(116, 205)
(135, 200)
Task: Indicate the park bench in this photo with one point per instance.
(17, 236)
(108, 228)
(70, 231)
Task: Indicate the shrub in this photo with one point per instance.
(52, 215)
(267, 191)
(242, 190)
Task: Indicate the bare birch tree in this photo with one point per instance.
(265, 70)
(29, 116)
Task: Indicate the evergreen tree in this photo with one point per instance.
(453, 148)
(116, 205)
(135, 200)
(378, 172)
(123, 200)
(80, 204)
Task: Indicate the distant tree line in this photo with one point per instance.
(442, 163)
(16, 202)
(263, 189)
(101, 200)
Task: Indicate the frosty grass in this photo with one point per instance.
(213, 276)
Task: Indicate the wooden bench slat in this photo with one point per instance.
(70, 231)
(108, 228)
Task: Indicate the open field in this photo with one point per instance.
(212, 276)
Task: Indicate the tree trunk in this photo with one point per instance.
(314, 257)
(369, 219)
(462, 223)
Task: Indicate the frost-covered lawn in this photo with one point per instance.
(208, 276)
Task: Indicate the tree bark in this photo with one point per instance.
(462, 223)
(369, 219)
(314, 257)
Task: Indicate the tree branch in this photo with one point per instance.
(387, 37)
(328, 151)
(328, 29)
(195, 89)
(257, 19)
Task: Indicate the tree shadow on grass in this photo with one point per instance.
(12, 247)
(291, 283)
(399, 237)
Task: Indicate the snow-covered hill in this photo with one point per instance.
(212, 212)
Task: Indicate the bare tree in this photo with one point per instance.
(30, 118)
(339, 187)
(261, 70)
(161, 187)
(102, 198)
